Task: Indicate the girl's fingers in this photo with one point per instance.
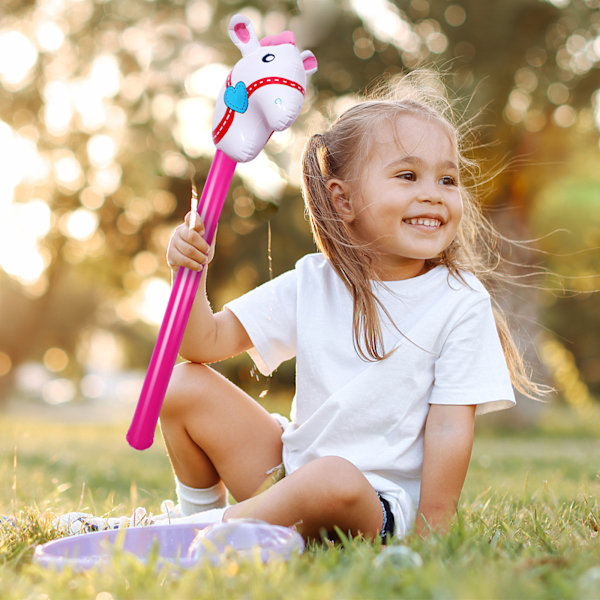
(199, 224)
(177, 259)
(181, 260)
(187, 247)
(192, 237)
(191, 254)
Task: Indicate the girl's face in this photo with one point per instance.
(406, 203)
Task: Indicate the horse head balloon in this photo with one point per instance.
(263, 93)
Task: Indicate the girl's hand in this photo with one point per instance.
(187, 247)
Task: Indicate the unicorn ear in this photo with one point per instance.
(242, 34)
(309, 61)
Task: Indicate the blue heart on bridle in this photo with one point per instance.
(236, 98)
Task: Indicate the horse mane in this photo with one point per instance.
(285, 37)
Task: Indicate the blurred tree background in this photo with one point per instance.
(105, 111)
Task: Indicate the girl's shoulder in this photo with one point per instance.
(314, 260)
(314, 267)
(465, 282)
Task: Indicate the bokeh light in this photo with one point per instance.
(106, 110)
(18, 56)
(55, 359)
(80, 224)
(155, 295)
(5, 364)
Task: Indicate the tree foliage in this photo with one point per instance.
(105, 109)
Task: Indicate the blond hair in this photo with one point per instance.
(338, 153)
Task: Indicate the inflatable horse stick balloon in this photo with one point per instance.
(263, 93)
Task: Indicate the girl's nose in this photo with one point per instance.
(430, 192)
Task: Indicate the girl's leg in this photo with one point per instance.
(327, 492)
(214, 431)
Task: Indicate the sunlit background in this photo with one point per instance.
(105, 115)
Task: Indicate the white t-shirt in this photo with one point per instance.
(373, 413)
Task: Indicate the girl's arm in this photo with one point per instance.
(209, 337)
(447, 451)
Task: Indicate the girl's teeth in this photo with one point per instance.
(426, 222)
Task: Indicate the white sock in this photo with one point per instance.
(195, 500)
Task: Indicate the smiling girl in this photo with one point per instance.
(396, 342)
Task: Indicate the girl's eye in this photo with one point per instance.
(268, 58)
(407, 176)
(447, 180)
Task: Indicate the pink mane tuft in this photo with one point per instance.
(285, 37)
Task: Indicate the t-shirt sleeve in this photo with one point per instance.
(471, 368)
(268, 314)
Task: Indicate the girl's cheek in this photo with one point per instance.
(459, 206)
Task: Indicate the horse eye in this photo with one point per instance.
(268, 57)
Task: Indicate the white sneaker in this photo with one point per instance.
(170, 512)
(78, 522)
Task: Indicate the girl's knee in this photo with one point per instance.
(346, 498)
(342, 483)
(185, 389)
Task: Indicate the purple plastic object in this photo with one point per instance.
(244, 539)
(141, 432)
(183, 545)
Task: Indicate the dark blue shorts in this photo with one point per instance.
(387, 529)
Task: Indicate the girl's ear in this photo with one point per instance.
(340, 198)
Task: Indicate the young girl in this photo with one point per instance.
(396, 343)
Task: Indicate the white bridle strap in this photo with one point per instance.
(225, 123)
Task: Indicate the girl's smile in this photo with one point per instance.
(406, 203)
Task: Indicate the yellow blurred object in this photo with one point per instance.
(561, 364)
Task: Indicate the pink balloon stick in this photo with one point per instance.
(141, 432)
(276, 70)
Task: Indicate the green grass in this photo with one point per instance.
(527, 525)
